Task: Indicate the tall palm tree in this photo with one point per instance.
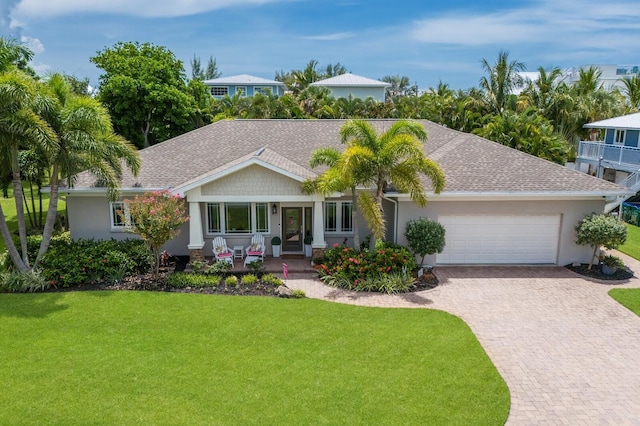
(632, 90)
(20, 126)
(86, 142)
(396, 156)
(501, 80)
(13, 54)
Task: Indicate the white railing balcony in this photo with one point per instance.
(610, 155)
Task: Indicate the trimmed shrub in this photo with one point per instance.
(231, 281)
(424, 237)
(249, 279)
(272, 279)
(183, 280)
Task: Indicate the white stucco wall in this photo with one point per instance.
(253, 180)
(571, 211)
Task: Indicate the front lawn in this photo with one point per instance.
(627, 297)
(632, 246)
(166, 358)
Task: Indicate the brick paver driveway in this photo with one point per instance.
(569, 353)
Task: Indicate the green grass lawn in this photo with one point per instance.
(9, 209)
(165, 358)
(627, 297)
(632, 245)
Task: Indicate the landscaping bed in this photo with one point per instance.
(622, 274)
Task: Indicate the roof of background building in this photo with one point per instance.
(349, 79)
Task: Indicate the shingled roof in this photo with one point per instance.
(472, 165)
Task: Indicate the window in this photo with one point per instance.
(241, 90)
(219, 91)
(618, 137)
(262, 90)
(347, 219)
(338, 213)
(213, 218)
(237, 218)
(118, 215)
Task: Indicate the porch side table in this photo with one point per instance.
(238, 252)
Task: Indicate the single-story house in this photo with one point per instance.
(356, 86)
(241, 177)
(244, 84)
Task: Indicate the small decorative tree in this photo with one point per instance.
(598, 230)
(425, 237)
(156, 216)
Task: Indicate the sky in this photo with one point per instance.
(427, 40)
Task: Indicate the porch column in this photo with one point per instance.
(196, 240)
(318, 244)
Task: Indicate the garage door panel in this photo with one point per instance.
(500, 239)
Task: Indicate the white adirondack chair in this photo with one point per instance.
(256, 250)
(221, 252)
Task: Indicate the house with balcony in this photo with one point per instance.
(616, 157)
(245, 85)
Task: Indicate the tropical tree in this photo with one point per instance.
(501, 80)
(14, 54)
(144, 88)
(200, 73)
(86, 141)
(394, 157)
(400, 86)
(631, 90)
(20, 127)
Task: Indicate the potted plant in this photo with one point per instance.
(275, 246)
(610, 264)
(308, 251)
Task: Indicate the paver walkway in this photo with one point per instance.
(569, 353)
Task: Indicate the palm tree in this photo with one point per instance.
(502, 79)
(376, 161)
(632, 90)
(86, 142)
(13, 54)
(20, 126)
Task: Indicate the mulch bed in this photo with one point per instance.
(426, 282)
(622, 274)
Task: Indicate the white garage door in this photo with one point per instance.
(483, 239)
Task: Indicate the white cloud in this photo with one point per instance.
(41, 69)
(587, 24)
(146, 8)
(34, 44)
(335, 36)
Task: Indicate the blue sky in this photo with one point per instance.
(428, 41)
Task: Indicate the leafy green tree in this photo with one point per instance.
(200, 73)
(425, 237)
(394, 157)
(597, 230)
(527, 132)
(14, 54)
(144, 88)
(501, 80)
(157, 216)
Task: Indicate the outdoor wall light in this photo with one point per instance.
(274, 209)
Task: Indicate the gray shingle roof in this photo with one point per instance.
(471, 164)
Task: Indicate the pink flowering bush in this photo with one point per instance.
(345, 268)
(157, 216)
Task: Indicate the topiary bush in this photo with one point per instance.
(345, 268)
(597, 230)
(424, 237)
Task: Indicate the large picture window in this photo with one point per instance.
(237, 218)
(337, 216)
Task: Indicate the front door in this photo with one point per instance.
(293, 238)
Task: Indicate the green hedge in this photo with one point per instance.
(70, 263)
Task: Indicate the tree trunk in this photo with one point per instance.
(11, 247)
(17, 195)
(26, 206)
(354, 221)
(51, 215)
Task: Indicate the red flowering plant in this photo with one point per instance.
(344, 267)
(156, 216)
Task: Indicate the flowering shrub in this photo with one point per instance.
(344, 267)
(157, 216)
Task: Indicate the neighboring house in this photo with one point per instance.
(246, 85)
(240, 177)
(345, 85)
(616, 158)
